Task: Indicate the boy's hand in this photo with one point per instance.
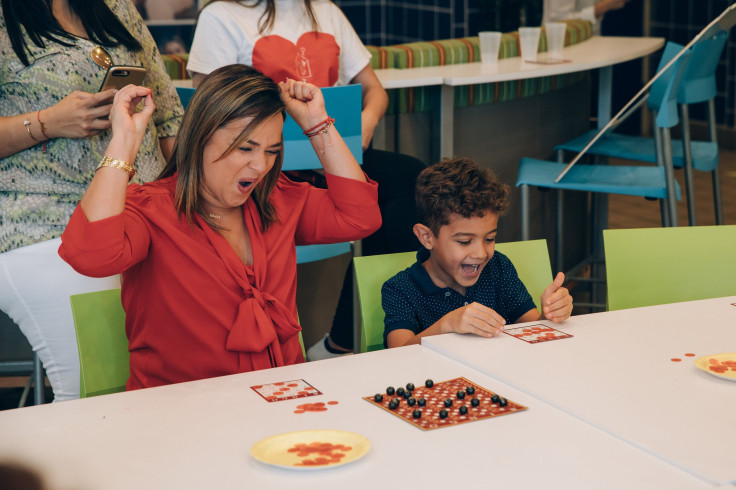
(473, 318)
(556, 301)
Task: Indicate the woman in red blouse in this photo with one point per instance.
(207, 251)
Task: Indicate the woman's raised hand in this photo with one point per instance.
(304, 103)
(128, 123)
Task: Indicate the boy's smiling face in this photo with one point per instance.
(460, 250)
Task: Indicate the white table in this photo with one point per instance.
(598, 52)
(198, 435)
(616, 373)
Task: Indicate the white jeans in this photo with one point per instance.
(35, 285)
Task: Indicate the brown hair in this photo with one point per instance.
(458, 186)
(266, 20)
(228, 93)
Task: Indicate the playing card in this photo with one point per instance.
(285, 390)
(534, 334)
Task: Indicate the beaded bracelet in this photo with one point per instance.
(321, 128)
(122, 165)
(326, 121)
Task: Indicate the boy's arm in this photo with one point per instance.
(473, 318)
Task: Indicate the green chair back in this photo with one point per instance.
(652, 266)
(370, 274)
(104, 360)
(530, 258)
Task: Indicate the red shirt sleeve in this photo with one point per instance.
(346, 210)
(111, 245)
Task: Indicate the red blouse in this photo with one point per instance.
(193, 309)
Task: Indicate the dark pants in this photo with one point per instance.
(396, 175)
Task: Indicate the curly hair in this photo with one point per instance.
(458, 186)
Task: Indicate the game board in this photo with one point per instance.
(435, 397)
(536, 333)
(285, 390)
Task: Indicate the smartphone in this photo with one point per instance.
(118, 76)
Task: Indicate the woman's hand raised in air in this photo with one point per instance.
(304, 103)
(128, 122)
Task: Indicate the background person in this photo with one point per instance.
(207, 251)
(54, 126)
(591, 10)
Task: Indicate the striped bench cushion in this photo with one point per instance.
(467, 50)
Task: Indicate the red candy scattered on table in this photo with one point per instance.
(677, 359)
(313, 407)
(326, 452)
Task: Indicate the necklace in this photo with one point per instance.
(216, 216)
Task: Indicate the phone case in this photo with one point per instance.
(118, 76)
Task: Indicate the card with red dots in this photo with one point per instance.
(534, 334)
(435, 405)
(285, 390)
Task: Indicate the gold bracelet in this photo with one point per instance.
(111, 162)
(27, 124)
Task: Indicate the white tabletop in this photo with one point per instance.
(591, 54)
(198, 435)
(616, 373)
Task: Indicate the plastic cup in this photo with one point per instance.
(529, 42)
(490, 42)
(555, 32)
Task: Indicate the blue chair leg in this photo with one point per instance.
(669, 176)
(717, 200)
(38, 381)
(524, 212)
(688, 156)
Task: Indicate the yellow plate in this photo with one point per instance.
(714, 360)
(310, 449)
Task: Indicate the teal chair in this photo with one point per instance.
(698, 85)
(104, 360)
(652, 266)
(531, 259)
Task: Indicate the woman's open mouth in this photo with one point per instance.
(245, 186)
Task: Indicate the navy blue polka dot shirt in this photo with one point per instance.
(413, 302)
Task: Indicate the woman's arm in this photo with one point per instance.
(375, 102)
(305, 105)
(105, 196)
(78, 115)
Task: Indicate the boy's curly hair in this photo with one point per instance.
(458, 186)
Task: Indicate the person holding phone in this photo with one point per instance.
(54, 55)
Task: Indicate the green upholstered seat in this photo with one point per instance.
(104, 360)
(530, 258)
(652, 266)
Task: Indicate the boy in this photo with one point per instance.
(458, 283)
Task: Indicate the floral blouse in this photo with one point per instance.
(39, 191)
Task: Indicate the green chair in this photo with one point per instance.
(99, 320)
(652, 266)
(531, 259)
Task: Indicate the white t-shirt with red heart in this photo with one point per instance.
(227, 33)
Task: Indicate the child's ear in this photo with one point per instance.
(425, 235)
